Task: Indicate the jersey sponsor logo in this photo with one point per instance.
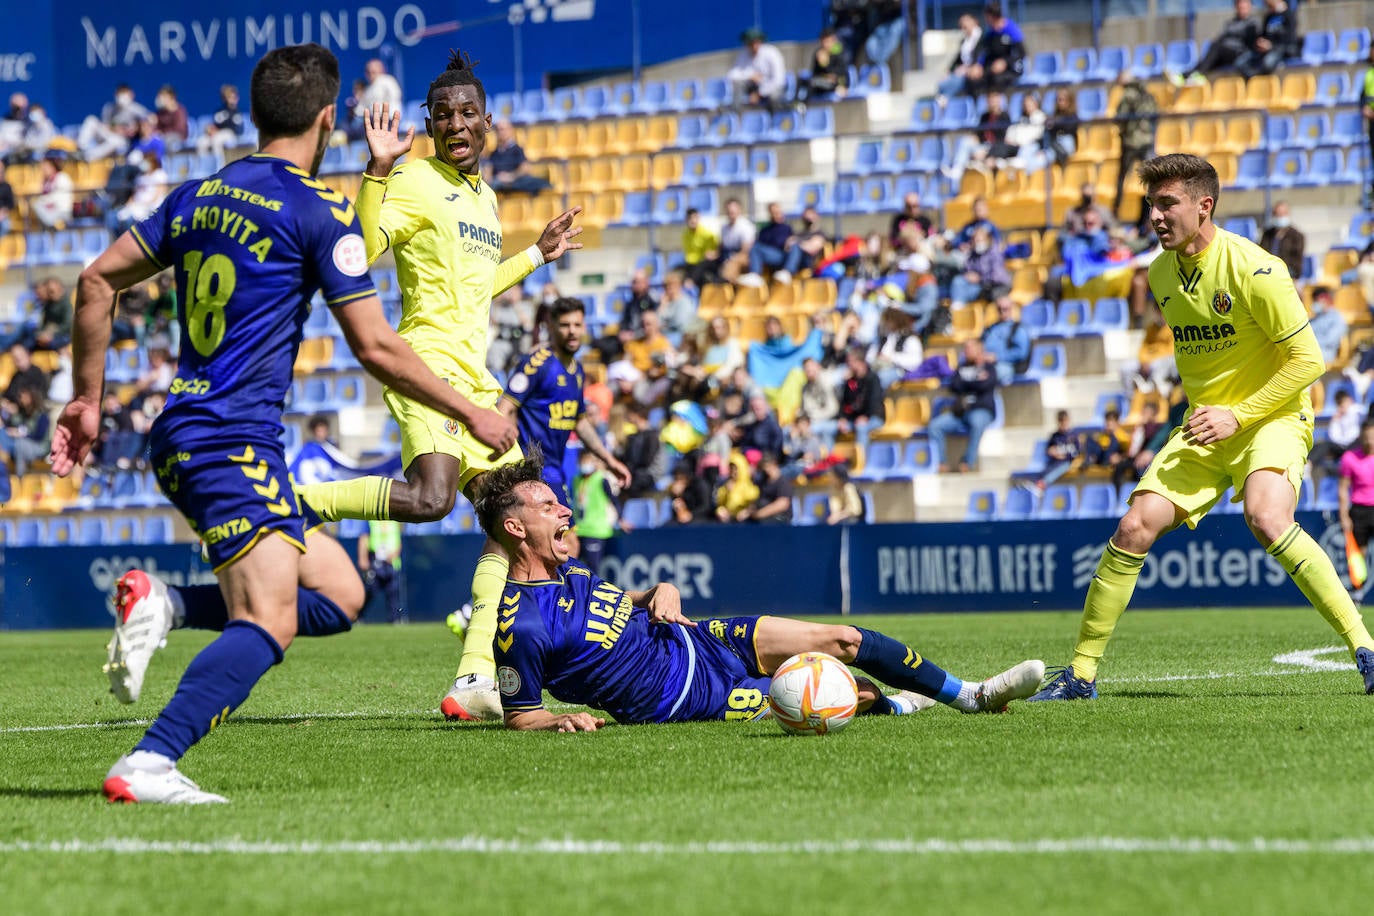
(235, 526)
(1264, 272)
(520, 383)
(607, 613)
(190, 386)
(350, 255)
(717, 629)
(1187, 333)
(481, 234)
(452, 197)
(565, 605)
(508, 679)
(215, 187)
(1221, 303)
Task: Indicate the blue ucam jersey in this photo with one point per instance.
(549, 398)
(579, 637)
(250, 246)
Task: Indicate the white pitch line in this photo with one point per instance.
(1185, 846)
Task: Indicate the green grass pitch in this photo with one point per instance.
(1210, 778)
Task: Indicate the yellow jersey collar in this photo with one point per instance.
(473, 181)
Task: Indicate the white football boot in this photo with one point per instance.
(472, 698)
(160, 786)
(143, 617)
(909, 701)
(1016, 683)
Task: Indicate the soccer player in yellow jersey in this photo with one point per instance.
(440, 220)
(1246, 356)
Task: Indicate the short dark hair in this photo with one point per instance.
(993, 9)
(1344, 394)
(1111, 413)
(566, 305)
(459, 72)
(1197, 174)
(1321, 291)
(692, 211)
(290, 87)
(496, 496)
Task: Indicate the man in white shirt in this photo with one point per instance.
(381, 87)
(737, 235)
(759, 73)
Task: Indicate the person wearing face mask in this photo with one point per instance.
(1282, 240)
(1328, 324)
(829, 77)
(172, 123)
(111, 133)
(596, 514)
(1074, 216)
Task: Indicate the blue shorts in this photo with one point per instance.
(726, 681)
(233, 497)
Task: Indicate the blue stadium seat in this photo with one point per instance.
(637, 210)
(1352, 46)
(1111, 314)
(925, 115)
(715, 93)
(1148, 60)
(1037, 317)
(1317, 47)
(640, 513)
(813, 509)
(1018, 505)
(1279, 131)
(624, 98)
(1332, 88)
(1111, 60)
(1359, 232)
(6, 533)
(902, 155)
(867, 156)
(918, 457)
(929, 154)
(1328, 499)
(29, 532)
(815, 194)
(1313, 129)
(872, 78)
(696, 169)
(847, 198)
(61, 532)
(564, 103)
(1097, 500)
(126, 529)
(654, 98)
(503, 106)
(1326, 166)
(1289, 167)
(982, 506)
(1109, 400)
(1180, 56)
(594, 102)
(1244, 226)
(755, 126)
(157, 529)
(816, 124)
(1044, 67)
(686, 95)
(93, 530)
(1079, 63)
(1060, 500)
(349, 390)
(706, 200)
(1252, 170)
(1092, 103)
(1047, 360)
(875, 196)
(1356, 166)
(1347, 128)
(693, 131)
(763, 163)
(880, 460)
(535, 105)
(1074, 317)
(1329, 406)
(729, 167)
(960, 112)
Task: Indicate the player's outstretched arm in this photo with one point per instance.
(117, 268)
(587, 435)
(391, 361)
(529, 720)
(556, 240)
(386, 145)
(663, 602)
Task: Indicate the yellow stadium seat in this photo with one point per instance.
(818, 293)
(1227, 94)
(580, 174)
(569, 140)
(537, 140)
(1171, 136)
(905, 417)
(1028, 284)
(782, 295)
(975, 183)
(716, 296)
(749, 329)
(1189, 100)
(1263, 91)
(313, 353)
(656, 133)
(1336, 262)
(967, 322)
(631, 174)
(1227, 165)
(748, 298)
(665, 170)
(958, 211)
(1350, 302)
(600, 137)
(1072, 177)
(1297, 89)
(514, 212)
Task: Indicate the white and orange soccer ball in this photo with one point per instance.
(813, 694)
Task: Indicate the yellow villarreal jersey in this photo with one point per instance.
(1228, 306)
(445, 232)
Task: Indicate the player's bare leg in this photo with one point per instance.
(473, 694)
(777, 639)
(1270, 500)
(429, 490)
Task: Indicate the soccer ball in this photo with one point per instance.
(813, 694)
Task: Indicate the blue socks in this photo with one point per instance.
(201, 607)
(894, 663)
(217, 681)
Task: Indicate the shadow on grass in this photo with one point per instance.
(16, 792)
(1149, 694)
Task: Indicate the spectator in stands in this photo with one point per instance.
(861, 399)
(148, 141)
(1106, 447)
(26, 375)
(641, 451)
(12, 125)
(1328, 324)
(119, 442)
(1139, 453)
(1237, 36)
(985, 277)
(678, 308)
(318, 428)
(992, 132)
(512, 326)
(774, 247)
(1007, 342)
(774, 503)
(507, 169)
(653, 354)
(55, 324)
(844, 504)
(760, 73)
(1364, 268)
(982, 219)
(226, 126)
(157, 378)
(690, 496)
(1367, 112)
(7, 201)
(112, 133)
(1025, 139)
(1278, 40)
(26, 432)
(381, 88)
(700, 249)
(829, 76)
(1282, 240)
(736, 239)
(1154, 368)
(1136, 115)
(819, 402)
(723, 355)
(1061, 127)
(52, 205)
(1001, 53)
(974, 386)
(965, 58)
(1342, 432)
(641, 300)
(887, 28)
(802, 447)
(810, 239)
(736, 490)
(39, 133)
(909, 225)
(1075, 218)
(171, 120)
(761, 429)
(1062, 451)
(150, 189)
(897, 349)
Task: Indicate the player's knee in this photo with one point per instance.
(1134, 533)
(434, 505)
(349, 596)
(845, 642)
(1267, 523)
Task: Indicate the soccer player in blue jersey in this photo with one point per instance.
(634, 654)
(250, 247)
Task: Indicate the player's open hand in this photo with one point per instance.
(494, 429)
(77, 427)
(620, 472)
(1208, 425)
(665, 605)
(558, 236)
(578, 722)
(381, 127)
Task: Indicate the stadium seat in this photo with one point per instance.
(1352, 46)
(902, 155)
(93, 530)
(1074, 317)
(867, 156)
(1059, 500)
(1018, 505)
(1279, 131)
(755, 126)
(1046, 360)
(594, 102)
(715, 93)
(815, 194)
(763, 163)
(1244, 226)
(1044, 67)
(814, 509)
(1079, 63)
(692, 131)
(982, 506)
(564, 104)
(880, 461)
(1347, 128)
(1328, 499)
(686, 95)
(1111, 314)
(960, 112)
(640, 513)
(624, 98)
(1313, 129)
(1148, 61)
(872, 78)
(638, 209)
(1180, 56)
(1252, 170)
(1325, 167)
(1111, 60)
(1332, 88)
(929, 154)
(816, 124)
(875, 196)
(61, 532)
(535, 105)
(1317, 47)
(1097, 500)
(729, 167)
(655, 97)
(1092, 103)
(157, 529)
(918, 457)
(1037, 317)
(1289, 167)
(28, 532)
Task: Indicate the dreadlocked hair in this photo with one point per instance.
(458, 73)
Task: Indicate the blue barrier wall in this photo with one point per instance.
(756, 570)
(69, 54)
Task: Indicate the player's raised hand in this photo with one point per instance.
(665, 605)
(494, 429)
(1207, 425)
(619, 471)
(558, 236)
(579, 722)
(77, 427)
(381, 127)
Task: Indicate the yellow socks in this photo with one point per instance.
(361, 497)
(1311, 569)
(488, 582)
(1108, 594)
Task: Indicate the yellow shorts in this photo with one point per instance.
(428, 432)
(1194, 477)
